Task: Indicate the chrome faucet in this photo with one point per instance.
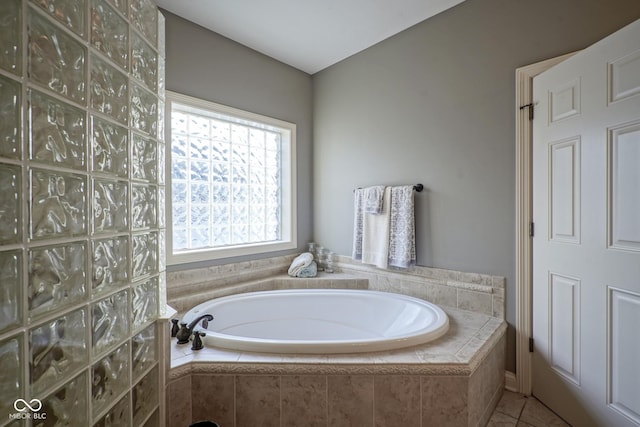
(185, 331)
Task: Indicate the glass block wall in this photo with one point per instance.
(81, 212)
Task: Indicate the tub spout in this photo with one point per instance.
(186, 330)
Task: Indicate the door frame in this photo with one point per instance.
(521, 381)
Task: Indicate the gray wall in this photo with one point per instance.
(209, 66)
(435, 105)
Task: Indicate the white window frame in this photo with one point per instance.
(288, 185)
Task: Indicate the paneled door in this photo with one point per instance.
(586, 245)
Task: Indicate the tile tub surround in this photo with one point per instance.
(456, 380)
(468, 291)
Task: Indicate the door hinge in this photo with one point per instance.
(531, 345)
(531, 229)
(530, 107)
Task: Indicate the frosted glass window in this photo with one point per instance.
(231, 181)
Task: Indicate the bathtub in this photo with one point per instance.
(319, 321)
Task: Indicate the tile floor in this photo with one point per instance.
(516, 410)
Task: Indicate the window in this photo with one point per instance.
(232, 181)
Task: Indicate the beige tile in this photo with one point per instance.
(350, 400)
(475, 301)
(257, 401)
(444, 401)
(511, 404)
(396, 401)
(179, 403)
(304, 400)
(499, 419)
(538, 415)
(213, 398)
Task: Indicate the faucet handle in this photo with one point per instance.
(174, 328)
(197, 341)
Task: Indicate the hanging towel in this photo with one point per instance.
(402, 230)
(375, 234)
(373, 199)
(358, 212)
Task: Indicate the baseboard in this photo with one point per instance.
(510, 381)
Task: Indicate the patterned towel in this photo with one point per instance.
(373, 197)
(402, 230)
(358, 212)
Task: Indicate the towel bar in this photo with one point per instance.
(418, 188)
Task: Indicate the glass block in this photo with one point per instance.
(70, 13)
(145, 158)
(57, 350)
(109, 144)
(10, 290)
(162, 220)
(67, 406)
(200, 127)
(10, 103)
(162, 250)
(108, 88)
(11, 36)
(121, 5)
(109, 32)
(56, 60)
(199, 148)
(109, 205)
(161, 163)
(57, 277)
(200, 237)
(145, 397)
(58, 204)
(179, 124)
(154, 420)
(162, 85)
(220, 133)
(221, 236)
(145, 254)
(10, 204)
(178, 168)
(179, 238)
(144, 304)
(144, 206)
(110, 321)
(144, 62)
(200, 171)
(161, 35)
(161, 122)
(57, 132)
(110, 264)
(11, 360)
(144, 16)
(109, 378)
(162, 292)
(118, 416)
(143, 107)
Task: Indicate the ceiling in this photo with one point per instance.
(307, 34)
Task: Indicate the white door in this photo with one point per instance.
(586, 249)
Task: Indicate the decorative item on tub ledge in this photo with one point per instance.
(303, 266)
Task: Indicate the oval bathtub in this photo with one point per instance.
(319, 321)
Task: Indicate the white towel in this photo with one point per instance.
(299, 263)
(373, 197)
(402, 229)
(375, 234)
